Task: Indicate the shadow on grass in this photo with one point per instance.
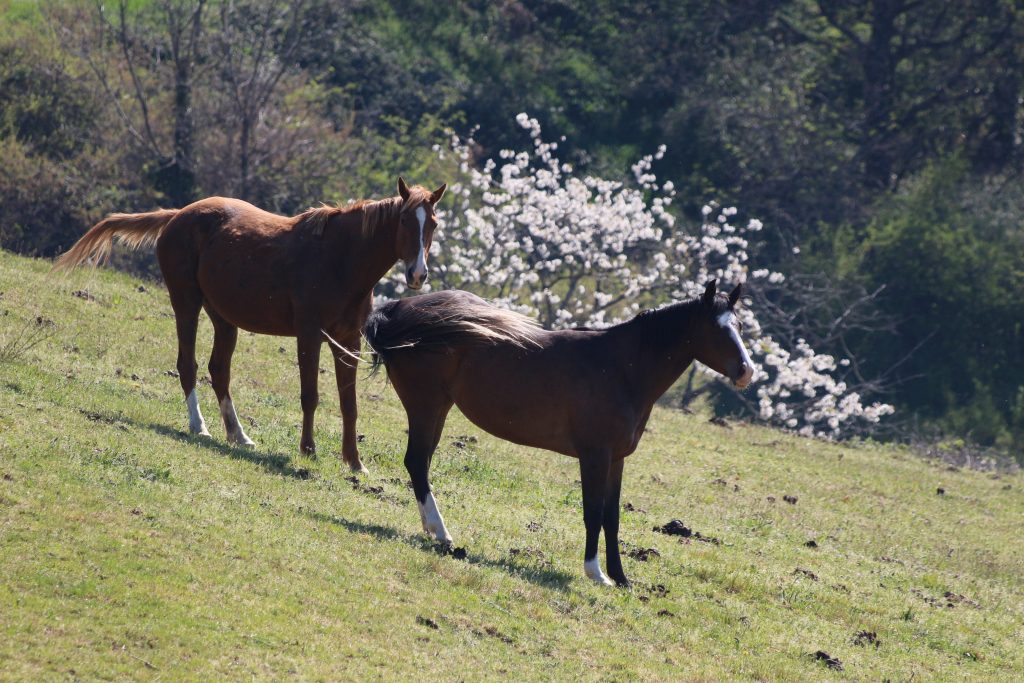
(275, 463)
(549, 578)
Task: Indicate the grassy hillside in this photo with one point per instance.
(129, 550)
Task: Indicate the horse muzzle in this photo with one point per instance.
(415, 278)
(743, 380)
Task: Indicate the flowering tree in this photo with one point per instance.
(531, 235)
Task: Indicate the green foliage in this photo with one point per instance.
(54, 162)
(407, 149)
(956, 277)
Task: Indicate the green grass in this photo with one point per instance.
(131, 551)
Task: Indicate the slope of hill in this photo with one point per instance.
(129, 550)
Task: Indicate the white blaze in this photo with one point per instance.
(420, 268)
(433, 524)
(196, 423)
(726, 321)
(592, 568)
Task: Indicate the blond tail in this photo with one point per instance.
(132, 229)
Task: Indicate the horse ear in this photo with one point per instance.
(709, 292)
(734, 295)
(436, 195)
(403, 189)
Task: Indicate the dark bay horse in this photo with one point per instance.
(584, 393)
(309, 277)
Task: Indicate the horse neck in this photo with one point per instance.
(371, 254)
(659, 347)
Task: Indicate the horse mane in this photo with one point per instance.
(664, 322)
(442, 319)
(376, 212)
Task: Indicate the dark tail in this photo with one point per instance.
(443, 319)
(379, 334)
(134, 229)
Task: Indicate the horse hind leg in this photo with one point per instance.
(225, 336)
(187, 300)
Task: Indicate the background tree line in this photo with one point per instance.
(881, 140)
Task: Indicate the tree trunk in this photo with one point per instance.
(243, 157)
(879, 68)
(181, 181)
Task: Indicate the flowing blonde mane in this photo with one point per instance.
(376, 212)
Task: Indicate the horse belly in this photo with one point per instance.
(247, 285)
(510, 399)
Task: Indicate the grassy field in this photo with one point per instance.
(130, 551)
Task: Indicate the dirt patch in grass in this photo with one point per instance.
(449, 550)
(527, 552)
(377, 492)
(866, 638)
(828, 660)
(807, 573)
(677, 528)
(428, 622)
(949, 599)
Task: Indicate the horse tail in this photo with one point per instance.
(135, 230)
(443, 319)
(378, 332)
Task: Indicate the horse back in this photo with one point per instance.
(241, 258)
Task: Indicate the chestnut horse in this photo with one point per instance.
(584, 393)
(309, 277)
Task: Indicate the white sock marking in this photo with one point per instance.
(196, 423)
(592, 568)
(231, 424)
(433, 524)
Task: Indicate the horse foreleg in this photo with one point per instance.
(225, 336)
(594, 473)
(309, 366)
(424, 435)
(611, 523)
(345, 372)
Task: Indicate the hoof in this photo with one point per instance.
(202, 432)
(308, 449)
(350, 457)
(241, 441)
(441, 536)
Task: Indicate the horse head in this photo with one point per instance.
(718, 344)
(417, 222)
